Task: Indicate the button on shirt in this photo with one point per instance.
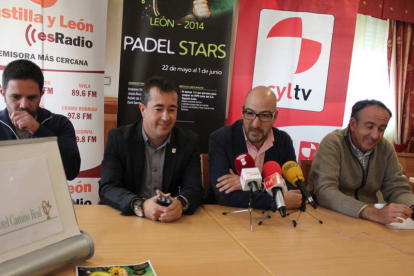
(258, 155)
(154, 167)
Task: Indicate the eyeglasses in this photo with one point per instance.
(263, 117)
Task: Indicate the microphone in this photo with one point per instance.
(250, 177)
(293, 173)
(275, 186)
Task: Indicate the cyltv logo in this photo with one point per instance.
(307, 150)
(292, 57)
(310, 50)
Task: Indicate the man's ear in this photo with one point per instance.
(352, 123)
(142, 108)
(275, 116)
(2, 92)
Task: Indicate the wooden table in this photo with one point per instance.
(209, 243)
(318, 249)
(193, 245)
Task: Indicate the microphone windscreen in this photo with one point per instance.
(243, 161)
(270, 168)
(292, 172)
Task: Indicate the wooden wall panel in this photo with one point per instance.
(110, 111)
(407, 162)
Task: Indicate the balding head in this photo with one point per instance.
(261, 93)
(259, 114)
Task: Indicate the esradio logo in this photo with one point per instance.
(307, 150)
(44, 3)
(33, 36)
(292, 57)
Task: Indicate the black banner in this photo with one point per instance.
(185, 42)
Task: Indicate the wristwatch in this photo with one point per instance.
(137, 206)
(183, 202)
(412, 208)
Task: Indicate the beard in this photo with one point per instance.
(254, 139)
(32, 113)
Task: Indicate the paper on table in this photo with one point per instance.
(407, 224)
(144, 268)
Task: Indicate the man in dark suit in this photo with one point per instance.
(151, 156)
(253, 134)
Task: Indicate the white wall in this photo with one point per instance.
(113, 46)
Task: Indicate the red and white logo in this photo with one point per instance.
(292, 57)
(44, 3)
(307, 150)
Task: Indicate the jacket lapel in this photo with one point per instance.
(170, 161)
(271, 153)
(8, 132)
(138, 156)
(239, 143)
(42, 114)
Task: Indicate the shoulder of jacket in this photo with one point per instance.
(184, 135)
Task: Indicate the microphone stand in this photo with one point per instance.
(273, 210)
(301, 210)
(249, 207)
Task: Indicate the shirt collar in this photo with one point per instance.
(357, 151)
(148, 142)
(268, 143)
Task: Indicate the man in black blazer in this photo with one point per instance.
(152, 157)
(255, 135)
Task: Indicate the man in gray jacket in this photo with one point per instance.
(352, 164)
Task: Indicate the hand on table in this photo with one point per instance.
(390, 213)
(229, 182)
(293, 199)
(154, 211)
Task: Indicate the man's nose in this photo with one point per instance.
(165, 116)
(24, 103)
(256, 122)
(375, 134)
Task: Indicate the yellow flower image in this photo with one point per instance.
(118, 271)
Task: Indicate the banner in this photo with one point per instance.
(186, 42)
(67, 40)
(302, 51)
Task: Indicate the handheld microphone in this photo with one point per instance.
(293, 173)
(250, 177)
(275, 186)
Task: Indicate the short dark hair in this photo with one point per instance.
(22, 69)
(358, 106)
(164, 85)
